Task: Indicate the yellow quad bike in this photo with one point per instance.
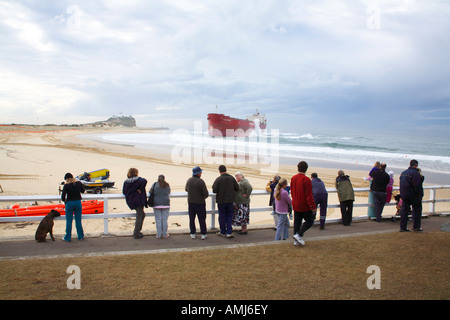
(96, 181)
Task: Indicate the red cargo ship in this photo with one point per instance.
(220, 125)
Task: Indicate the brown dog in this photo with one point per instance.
(46, 226)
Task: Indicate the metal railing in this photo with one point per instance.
(106, 215)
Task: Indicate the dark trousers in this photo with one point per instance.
(299, 226)
(416, 213)
(321, 200)
(226, 211)
(140, 215)
(346, 212)
(379, 200)
(199, 210)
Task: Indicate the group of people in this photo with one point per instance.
(308, 194)
(411, 192)
(232, 197)
(302, 196)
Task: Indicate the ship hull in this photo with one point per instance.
(220, 125)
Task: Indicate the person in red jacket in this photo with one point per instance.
(302, 203)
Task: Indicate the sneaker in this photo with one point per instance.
(299, 239)
(229, 236)
(204, 236)
(192, 235)
(220, 234)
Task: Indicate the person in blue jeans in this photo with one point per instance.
(224, 187)
(282, 203)
(71, 196)
(161, 206)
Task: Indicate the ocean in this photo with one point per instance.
(345, 151)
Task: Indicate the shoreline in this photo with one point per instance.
(34, 163)
(431, 177)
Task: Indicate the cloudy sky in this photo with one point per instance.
(308, 65)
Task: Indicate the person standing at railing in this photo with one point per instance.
(320, 195)
(161, 206)
(380, 180)
(71, 196)
(136, 198)
(346, 197)
(197, 193)
(282, 203)
(241, 216)
(302, 203)
(225, 186)
(370, 208)
(270, 187)
(411, 192)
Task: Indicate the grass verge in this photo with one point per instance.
(412, 265)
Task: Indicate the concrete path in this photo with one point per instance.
(122, 245)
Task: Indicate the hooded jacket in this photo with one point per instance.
(411, 184)
(344, 188)
(318, 187)
(134, 191)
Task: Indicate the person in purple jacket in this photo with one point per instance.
(282, 203)
(136, 198)
(320, 195)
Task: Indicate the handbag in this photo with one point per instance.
(151, 197)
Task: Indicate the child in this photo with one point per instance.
(282, 203)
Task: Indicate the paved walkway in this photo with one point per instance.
(121, 245)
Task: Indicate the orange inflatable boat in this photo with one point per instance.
(89, 207)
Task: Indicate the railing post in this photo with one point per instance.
(432, 206)
(105, 216)
(213, 214)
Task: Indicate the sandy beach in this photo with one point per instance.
(34, 160)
